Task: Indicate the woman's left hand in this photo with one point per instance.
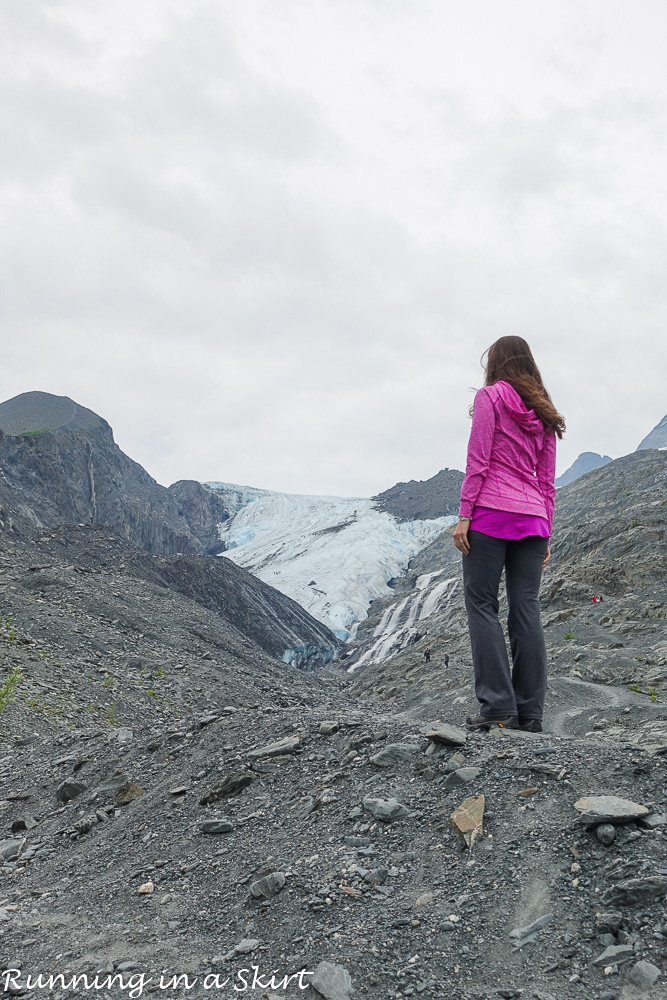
(461, 536)
(547, 557)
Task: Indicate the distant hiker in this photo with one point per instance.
(505, 519)
(446, 659)
(427, 654)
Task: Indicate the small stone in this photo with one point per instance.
(521, 933)
(605, 833)
(328, 727)
(179, 790)
(68, 790)
(442, 732)
(385, 810)
(231, 784)
(614, 955)
(608, 921)
(10, 849)
(269, 886)
(643, 974)
(128, 793)
(124, 735)
(302, 807)
(426, 897)
(278, 749)
(215, 826)
(454, 763)
(654, 821)
(594, 809)
(357, 841)
(145, 889)
(85, 824)
(26, 823)
(331, 981)
(246, 946)
(468, 820)
(462, 776)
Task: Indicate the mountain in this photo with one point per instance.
(334, 555)
(423, 499)
(657, 438)
(62, 460)
(587, 461)
(62, 472)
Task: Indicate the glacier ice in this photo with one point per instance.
(333, 555)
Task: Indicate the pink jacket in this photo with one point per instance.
(511, 457)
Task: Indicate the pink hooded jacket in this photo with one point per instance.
(511, 457)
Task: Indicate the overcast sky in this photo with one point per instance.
(268, 240)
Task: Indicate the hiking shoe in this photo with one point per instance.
(474, 722)
(531, 725)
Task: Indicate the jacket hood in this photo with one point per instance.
(513, 402)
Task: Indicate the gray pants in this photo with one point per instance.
(500, 691)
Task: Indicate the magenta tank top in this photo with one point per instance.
(506, 524)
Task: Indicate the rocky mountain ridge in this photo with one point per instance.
(65, 467)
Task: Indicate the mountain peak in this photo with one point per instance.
(657, 438)
(33, 413)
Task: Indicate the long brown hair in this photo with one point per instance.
(510, 359)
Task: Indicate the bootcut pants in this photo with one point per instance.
(499, 689)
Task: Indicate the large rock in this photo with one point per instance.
(442, 732)
(468, 820)
(269, 886)
(278, 749)
(216, 826)
(231, 784)
(633, 891)
(385, 810)
(644, 974)
(10, 849)
(595, 809)
(331, 981)
(68, 790)
(614, 955)
(128, 793)
(393, 754)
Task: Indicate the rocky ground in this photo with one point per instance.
(176, 802)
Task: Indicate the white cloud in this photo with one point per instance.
(269, 242)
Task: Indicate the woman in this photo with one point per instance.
(505, 519)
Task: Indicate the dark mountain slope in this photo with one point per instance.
(423, 500)
(63, 463)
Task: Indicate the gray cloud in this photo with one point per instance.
(270, 248)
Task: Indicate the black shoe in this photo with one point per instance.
(474, 722)
(531, 725)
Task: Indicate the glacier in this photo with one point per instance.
(333, 555)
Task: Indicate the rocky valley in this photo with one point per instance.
(181, 802)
